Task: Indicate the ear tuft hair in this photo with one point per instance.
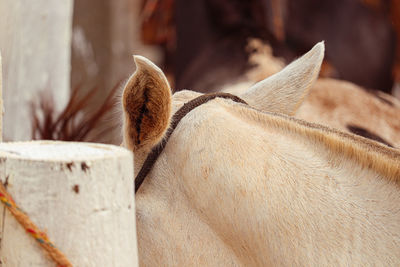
(146, 103)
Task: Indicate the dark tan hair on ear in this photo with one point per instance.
(146, 102)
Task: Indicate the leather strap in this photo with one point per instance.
(177, 117)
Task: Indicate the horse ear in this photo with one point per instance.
(284, 91)
(146, 103)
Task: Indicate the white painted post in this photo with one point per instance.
(80, 194)
(35, 41)
(1, 101)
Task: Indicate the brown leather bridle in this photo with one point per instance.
(187, 107)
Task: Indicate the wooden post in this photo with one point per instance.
(80, 194)
(35, 41)
(1, 101)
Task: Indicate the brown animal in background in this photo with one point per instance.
(361, 41)
(335, 103)
(348, 107)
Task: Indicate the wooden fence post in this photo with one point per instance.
(35, 41)
(80, 194)
(1, 101)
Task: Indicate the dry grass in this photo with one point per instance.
(73, 123)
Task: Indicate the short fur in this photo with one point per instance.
(147, 106)
(236, 186)
(295, 80)
(332, 102)
(340, 103)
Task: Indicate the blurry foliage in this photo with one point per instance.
(73, 123)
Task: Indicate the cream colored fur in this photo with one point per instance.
(339, 104)
(286, 90)
(330, 102)
(236, 186)
(147, 91)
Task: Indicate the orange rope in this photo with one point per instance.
(57, 256)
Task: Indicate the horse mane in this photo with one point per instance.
(370, 154)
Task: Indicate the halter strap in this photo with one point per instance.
(187, 107)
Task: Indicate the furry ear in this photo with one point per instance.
(284, 91)
(146, 103)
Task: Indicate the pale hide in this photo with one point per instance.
(335, 103)
(241, 185)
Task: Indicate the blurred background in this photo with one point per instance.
(64, 62)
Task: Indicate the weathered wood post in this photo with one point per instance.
(35, 41)
(1, 101)
(80, 194)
